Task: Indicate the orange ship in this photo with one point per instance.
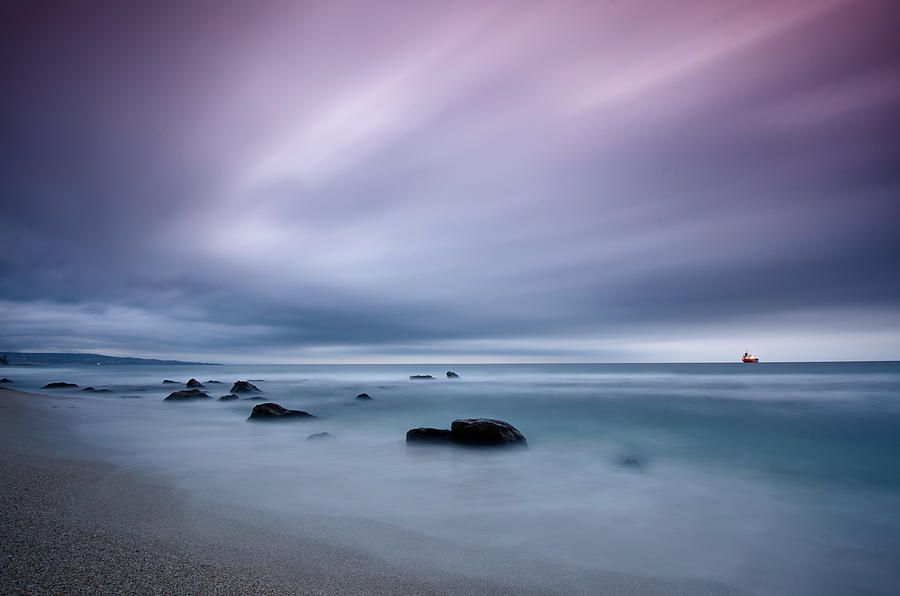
(748, 357)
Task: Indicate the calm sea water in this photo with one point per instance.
(775, 478)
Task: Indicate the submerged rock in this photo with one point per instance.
(255, 398)
(214, 382)
(5, 380)
(478, 432)
(229, 397)
(92, 390)
(420, 377)
(485, 431)
(186, 394)
(165, 381)
(273, 411)
(452, 375)
(428, 435)
(58, 385)
(243, 387)
(631, 462)
(319, 436)
(363, 396)
(194, 383)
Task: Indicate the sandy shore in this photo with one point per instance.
(81, 526)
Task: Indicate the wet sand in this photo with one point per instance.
(77, 525)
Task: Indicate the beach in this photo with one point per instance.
(79, 525)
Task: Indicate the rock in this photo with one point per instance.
(630, 462)
(363, 396)
(243, 387)
(428, 435)
(256, 398)
(88, 389)
(229, 397)
(420, 377)
(214, 382)
(452, 375)
(272, 411)
(5, 380)
(480, 432)
(186, 394)
(319, 436)
(170, 381)
(91, 389)
(484, 432)
(58, 384)
(194, 383)
(4, 361)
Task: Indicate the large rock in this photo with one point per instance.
(452, 375)
(194, 383)
(363, 396)
(243, 387)
(485, 431)
(229, 397)
(477, 432)
(187, 394)
(421, 378)
(428, 435)
(272, 411)
(58, 385)
(5, 380)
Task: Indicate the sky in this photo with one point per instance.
(416, 181)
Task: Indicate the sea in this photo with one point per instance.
(771, 478)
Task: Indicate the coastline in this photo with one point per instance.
(84, 525)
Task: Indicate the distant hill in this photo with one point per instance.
(54, 359)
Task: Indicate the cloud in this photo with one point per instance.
(522, 181)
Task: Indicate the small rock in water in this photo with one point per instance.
(5, 380)
(363, 396)
(170, 381)
(215, 382)
(630, 462)
(229, 397)
(243, 387)
(88, 389)
(186, 394)
(194, 383)
(273, 411)
(452, 375)
(428, 435)
(319, 436)
(255, 398)
(58, 384)
(420, 377)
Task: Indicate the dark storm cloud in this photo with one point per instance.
(291, 181)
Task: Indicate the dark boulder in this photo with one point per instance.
(421, 378)
(452, 375)
(229, 397)
(485, 432)
(476, 432)
(428, 435)
(272, 411)
(170, 381)
(58, 385)
(194, 383)
(187, 394)
(243, 387)
(363, 396)
(319, 436)
(5, 380)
